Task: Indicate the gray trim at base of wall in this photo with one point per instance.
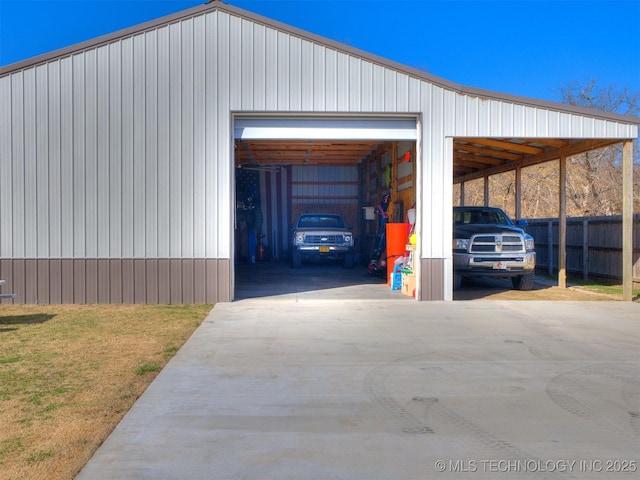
(117, 281)
(431, 279)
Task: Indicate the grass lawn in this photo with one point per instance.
(69, 373)
(613, 290)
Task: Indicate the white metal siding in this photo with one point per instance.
(124, 150)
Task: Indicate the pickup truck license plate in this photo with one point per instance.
(499, 266)
(324, 249)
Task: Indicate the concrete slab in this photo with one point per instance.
(291, 387)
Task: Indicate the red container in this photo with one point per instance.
(396, 245)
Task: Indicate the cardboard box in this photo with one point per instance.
(409, 284)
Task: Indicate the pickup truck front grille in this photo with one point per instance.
(497, 244)
(323, 240)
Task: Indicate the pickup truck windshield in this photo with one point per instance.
(487, 217)
(320, 221)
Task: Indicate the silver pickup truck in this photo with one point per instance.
(486, 242)
(321, 235)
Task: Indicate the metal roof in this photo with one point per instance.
(472, 157)
(219, 5)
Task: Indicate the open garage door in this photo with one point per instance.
(290, 165)
(325, 128)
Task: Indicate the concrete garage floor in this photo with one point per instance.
(330, 280)
(325, 385)
(314, 280)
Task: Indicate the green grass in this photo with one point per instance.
(5, 361)
(596, 286)
(605, 289)
(39, 456)
(69, 373)
(147, 368)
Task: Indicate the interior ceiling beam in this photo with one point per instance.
(316, 153)
(302, 148)
(549, 142)
(300, 161)
(484, 161)
(573, 148)
(298, 152)
(469, 163)
(290, 156)
(503, 144)
(472, 157)
(464, 169)
(488, 152)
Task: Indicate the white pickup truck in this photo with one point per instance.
(321, 235)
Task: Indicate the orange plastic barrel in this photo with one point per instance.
(396, 245)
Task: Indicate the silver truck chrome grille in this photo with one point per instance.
(324, 240)
(496, 244)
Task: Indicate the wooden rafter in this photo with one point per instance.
(503, 145)
(570, 148)
(472, 157)
(488, 152)
(484, 161)
(304, 152)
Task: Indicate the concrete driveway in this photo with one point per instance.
(328, 386)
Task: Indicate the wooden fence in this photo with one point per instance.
(594, 246)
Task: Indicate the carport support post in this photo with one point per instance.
(518, 193)
(486, 191)
(627, 221)
(562, 225)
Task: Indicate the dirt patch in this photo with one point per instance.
(501, 289)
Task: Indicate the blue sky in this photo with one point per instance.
(522, 47)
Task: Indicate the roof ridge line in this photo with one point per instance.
(213, 5)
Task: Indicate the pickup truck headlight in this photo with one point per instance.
(460, 243)
(529, 243)
(348, 239)
(299, 239)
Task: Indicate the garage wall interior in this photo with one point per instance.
(119, 159)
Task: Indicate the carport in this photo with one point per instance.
(475, 158)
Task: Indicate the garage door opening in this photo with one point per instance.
(328, 171)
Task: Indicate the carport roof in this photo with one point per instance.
(472, 158)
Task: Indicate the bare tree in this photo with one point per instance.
(594, 178)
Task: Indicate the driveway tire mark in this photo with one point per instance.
(421, 413)
(563, 391)
(375, 386)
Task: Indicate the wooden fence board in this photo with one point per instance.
(594, 246)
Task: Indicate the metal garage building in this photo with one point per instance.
(118, 155)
